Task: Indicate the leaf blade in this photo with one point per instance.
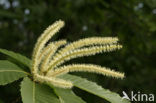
(68, 96)
(36, 93)
(93, 88)
(10, 72)
(20, 58)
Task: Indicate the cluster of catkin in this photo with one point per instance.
(48, 58)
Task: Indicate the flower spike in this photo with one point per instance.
(49, 48)
(87, 42)
(53, 47)
(55, 81)
(81, 52)
(85, 68)
(43, 39)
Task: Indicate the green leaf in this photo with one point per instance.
(10, 72)
(20, 58)
(67, 96)
(93, 88)
(37, 93)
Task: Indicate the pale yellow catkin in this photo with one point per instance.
(85, 68)
(47, 59)
(54, 81)
(87, 42)
(43, 39)
(49, 48)
(82, 52)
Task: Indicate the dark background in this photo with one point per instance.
(133, 21)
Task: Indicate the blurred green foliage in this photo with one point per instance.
(133, 21)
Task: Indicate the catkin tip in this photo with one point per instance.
(60, 22)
